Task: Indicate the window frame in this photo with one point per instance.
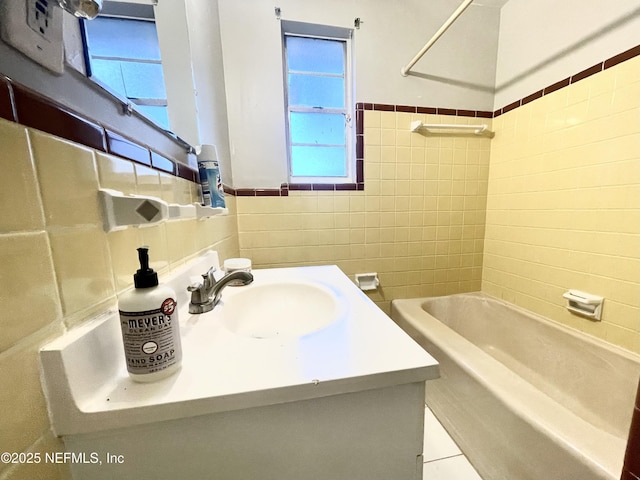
(345, 36)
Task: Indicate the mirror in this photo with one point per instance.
(122, 55)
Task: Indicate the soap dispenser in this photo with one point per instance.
(150, 327)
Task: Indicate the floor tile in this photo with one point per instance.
(452, 468)
(437, 442)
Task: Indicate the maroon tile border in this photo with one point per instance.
(285, 188)
(36, 111)
(22, 105)
(257, 192)
(532, 97)
(615, 60)
(597, 68)
(511, 106)
(186, 172)
(125, 148)
(556, 86)
(422, 110)
(587, 72)
(162, 163)
(622, 57)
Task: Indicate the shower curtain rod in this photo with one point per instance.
(405, 70)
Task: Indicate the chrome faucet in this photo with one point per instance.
(206, 295)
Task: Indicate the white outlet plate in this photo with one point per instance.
(35, 28)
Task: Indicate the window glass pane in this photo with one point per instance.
(314, 91)
(114, 37)
(315, 55)
(318, 128)
(157, 114)
(109, 73)
(318, 161)
(143, 80)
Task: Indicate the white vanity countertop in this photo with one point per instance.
(88, 388)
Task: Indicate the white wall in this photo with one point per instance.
(545, 41)
(211, 101)
(189, 36)
(173, 38)
(458, 72)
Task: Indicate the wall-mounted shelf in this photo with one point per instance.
(481, 130)
(203, 211)
(584, 304)
(177, 211)
(121, 210)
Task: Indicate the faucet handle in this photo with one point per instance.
(206, 283)
(208, 278)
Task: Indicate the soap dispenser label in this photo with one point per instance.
(151, 338)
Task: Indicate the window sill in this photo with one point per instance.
(285, 188)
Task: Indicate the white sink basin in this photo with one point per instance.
(280, 309)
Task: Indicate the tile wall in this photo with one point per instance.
(58, 266)
(563, 203)
(419, 222)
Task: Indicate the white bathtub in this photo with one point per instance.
(524, 397)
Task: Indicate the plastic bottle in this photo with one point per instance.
(150, 327)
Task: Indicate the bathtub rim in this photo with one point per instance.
(586, 441)
(592, 339)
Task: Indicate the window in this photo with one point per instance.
(122, 53)
(319, 107)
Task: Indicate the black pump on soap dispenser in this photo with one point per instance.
(145, 277)
(150, 327)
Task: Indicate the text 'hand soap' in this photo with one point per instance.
(150, 327)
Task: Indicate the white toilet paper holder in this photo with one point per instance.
(584, 304)
(367, 281)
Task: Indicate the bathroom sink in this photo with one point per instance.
(280, 309)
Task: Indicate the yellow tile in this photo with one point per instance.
(371, 119)
(188, 192)
(405, 138)
(170, 189)
(19, 195)
(578, 92)
(116, 173)
(599, 106)
(83, 267)
(403, 154)
(372, 136)
(124, 256)
(387, 155)
(372, 154)
(387, 137)
(28, 291)
(147, 181)
(155, 237)
(25, 416)
(68, 181)
(602, 82)
(388, 120)
(47, 444)
(181, 240)
(628, 72)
